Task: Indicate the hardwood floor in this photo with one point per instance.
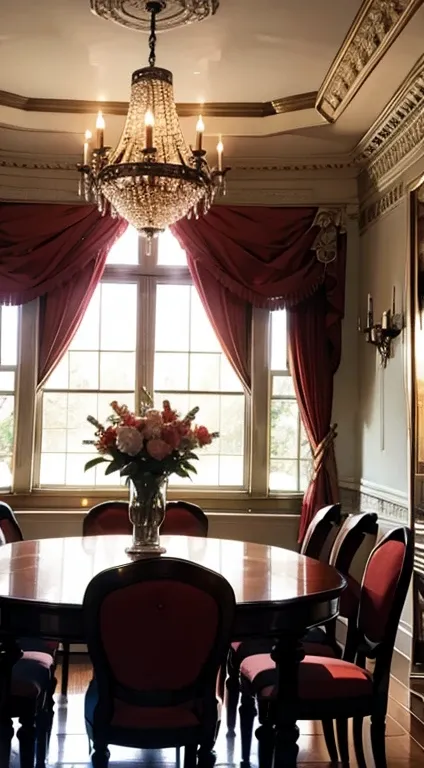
(69, 745)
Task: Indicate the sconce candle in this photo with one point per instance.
(100, 128)
(385, 320)
(394, 302)
(200, 127)
(369, 312)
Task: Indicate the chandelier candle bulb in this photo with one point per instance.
(86, 158)
(100, 128)
(149, 122)
(220, 150)
(200, 127)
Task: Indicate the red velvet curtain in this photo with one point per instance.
(241, 257)
(56, 253)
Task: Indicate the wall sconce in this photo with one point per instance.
(382, 334)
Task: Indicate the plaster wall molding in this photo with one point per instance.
(376, 26)
(369, 214)
(393, 510)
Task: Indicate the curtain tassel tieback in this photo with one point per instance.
(322, 449)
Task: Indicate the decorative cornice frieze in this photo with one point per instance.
(397, 132)
(376, 26)
(29, 165)
(371, 213)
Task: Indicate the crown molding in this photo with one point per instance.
(295, 103)
(375, 28)
(397, 133)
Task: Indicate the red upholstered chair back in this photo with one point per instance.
(348, 542)
(9, 525)
(157, 631)
(319, 530)
(111, 517)
(383, 593)
(184, 519)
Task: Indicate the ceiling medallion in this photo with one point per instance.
(174, 13)
(152, 178)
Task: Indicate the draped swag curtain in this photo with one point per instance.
(244, 257)
(56, 253)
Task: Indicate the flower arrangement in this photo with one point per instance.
(152, 443)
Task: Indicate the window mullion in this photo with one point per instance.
(26, 398)
(145, 355)
(259, 442)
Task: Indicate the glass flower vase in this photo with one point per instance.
(146, 511)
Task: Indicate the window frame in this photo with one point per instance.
(254, 496)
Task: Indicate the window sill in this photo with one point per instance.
(64, 500)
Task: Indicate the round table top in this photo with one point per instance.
(57, 571)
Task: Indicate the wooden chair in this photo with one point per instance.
(32, 683)
(319, 531)
(9, 524)
(336, 689)
(157, 632)
(181, 519)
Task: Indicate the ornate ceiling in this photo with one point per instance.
(278, 79)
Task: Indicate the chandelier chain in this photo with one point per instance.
(154, 9)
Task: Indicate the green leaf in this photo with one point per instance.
(191, 455)
(113, 467)
(93, 462)
(129, 469)
(189, 467)
(181, 472)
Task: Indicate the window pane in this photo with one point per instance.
(204, 372)
(203, 337)
(172, 318)
(7, 403)
(220, 463)
(7, 381)
(170, 252)
(283, 385)
(284, 429)
(279, 340)
(9, 317)
(125, 250)
(101, 358)
(171, 371)
(283, 475)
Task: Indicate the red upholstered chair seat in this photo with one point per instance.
(31, 675)
(319, 678)
(128, 716)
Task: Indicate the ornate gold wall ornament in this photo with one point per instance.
(134, 14)
(370, 213)
(331, 221)
(376, 26)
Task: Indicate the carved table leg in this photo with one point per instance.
(9, 655)
(287, 653)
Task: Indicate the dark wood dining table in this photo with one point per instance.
(279, 594)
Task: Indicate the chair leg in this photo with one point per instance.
(26, 736)
(6, 736)
(358, 743)
(247, 712)
(265, 735)
(342, 740)
(100, 755)
(233, 693)
(330, 741)
(190, 756)
(378, 741)
(42, 728)
(65, 668)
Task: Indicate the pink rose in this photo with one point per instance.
(158, 449)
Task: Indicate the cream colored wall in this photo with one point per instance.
(346, 394)
(383, 434)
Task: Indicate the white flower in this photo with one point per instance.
(129, 440)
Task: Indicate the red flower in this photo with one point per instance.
(168, 414)
(203, 435)
(106, 440)
(171, 436)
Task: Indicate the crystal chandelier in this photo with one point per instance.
(152, 179)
